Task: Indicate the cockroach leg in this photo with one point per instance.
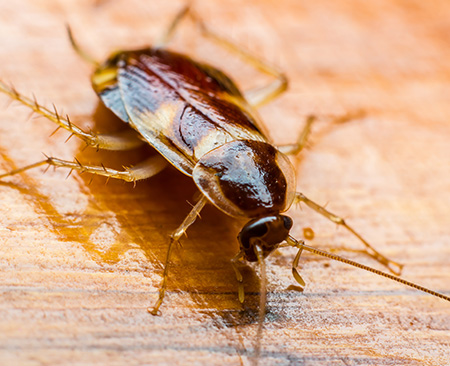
(167, 36)
(394, 267)
(143, 170)
(124, 140)
(258, 96)
(294, 149)
(299, 145)
(127, 139)
(295, 273)
(255, 97)
(299, 245)
(20, 170)
(174, 238)
(239, 278)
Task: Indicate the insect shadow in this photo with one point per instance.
(142, 217)
(147, 213)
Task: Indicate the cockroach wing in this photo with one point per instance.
(182, 108)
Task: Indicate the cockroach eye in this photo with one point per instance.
(287, 222)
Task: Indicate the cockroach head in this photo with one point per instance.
(266, 232)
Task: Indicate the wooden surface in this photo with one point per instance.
(80, 263)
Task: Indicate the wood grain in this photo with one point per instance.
(80, 263)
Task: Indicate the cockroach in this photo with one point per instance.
(200, 122)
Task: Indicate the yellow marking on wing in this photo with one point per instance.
(212, 140)
(165, 116)
(103, 78)
(238, 101)
(157, 129)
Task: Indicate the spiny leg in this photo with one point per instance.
(124, 140)
(174, 238)
(295, 149)
(394, 267)
(143, 170)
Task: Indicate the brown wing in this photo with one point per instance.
(182, 108)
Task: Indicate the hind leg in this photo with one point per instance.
(256, 97)
(143, 170)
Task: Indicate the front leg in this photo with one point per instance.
(394, 267)
(174, 238)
